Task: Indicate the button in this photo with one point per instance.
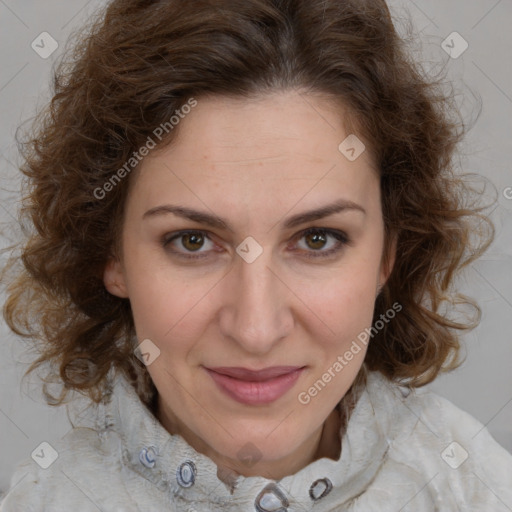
(320, 488)
(404, 391)
(147, 456)
(271, 499)
(186, 474)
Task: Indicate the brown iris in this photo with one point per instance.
(192, 241)
(317, 239)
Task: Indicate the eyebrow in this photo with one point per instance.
(215, 221)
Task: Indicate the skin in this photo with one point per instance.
(254, 162)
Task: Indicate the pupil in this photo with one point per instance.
(316, 239)
(192, 238)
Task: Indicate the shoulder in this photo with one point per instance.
(446, 450)
(65, 474)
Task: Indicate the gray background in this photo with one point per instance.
(483, 386)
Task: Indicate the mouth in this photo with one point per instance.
(258, 387)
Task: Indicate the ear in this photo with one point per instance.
(113, 278)
(388, 260)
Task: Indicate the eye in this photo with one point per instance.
(320, 243)
(317, 242)
(191, 241)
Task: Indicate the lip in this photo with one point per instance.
(254, 375)
(255, 387)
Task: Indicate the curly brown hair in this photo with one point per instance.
(139, 61)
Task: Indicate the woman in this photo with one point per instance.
(246, 230)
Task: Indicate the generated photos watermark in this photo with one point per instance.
(342, 361)
(137, 156)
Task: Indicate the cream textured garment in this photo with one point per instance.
(402, 452)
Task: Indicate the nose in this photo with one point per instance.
(256, 312)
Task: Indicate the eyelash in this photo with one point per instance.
(340, 236)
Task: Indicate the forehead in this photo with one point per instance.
(287, 139)
(284, 122)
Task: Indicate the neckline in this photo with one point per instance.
(363, 448)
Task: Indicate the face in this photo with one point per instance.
(225, 269)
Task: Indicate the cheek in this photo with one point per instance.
(344, 302)
(159, 311)
(167, 309)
